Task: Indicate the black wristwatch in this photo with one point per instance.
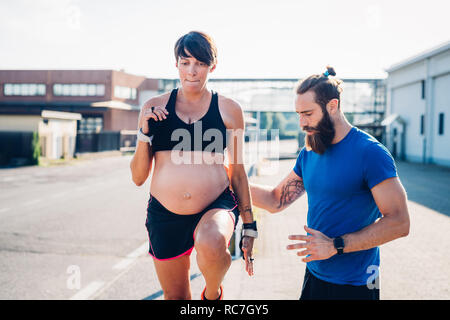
(339, 245)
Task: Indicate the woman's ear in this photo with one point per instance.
(212, 68)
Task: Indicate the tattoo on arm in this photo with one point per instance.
(292, 190)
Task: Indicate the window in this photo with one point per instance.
(57, 90)
(41, 89)
(66, 89)
(90, 125)
(423, 88)
(441, 124)
(125, 92)
(92, 90)
(78, 89)
(24, 89)
(100, 90)
(75, 90)
(83, 89)
(422, 124)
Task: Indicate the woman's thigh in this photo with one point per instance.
(173, 275)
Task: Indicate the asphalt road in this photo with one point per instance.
(68, 228)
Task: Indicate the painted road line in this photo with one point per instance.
(139, 251)
(4, 210)
(124, 263)
(88, 291)
(96, 288)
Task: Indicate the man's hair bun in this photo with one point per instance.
(331, 71)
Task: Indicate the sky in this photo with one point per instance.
(255, 39)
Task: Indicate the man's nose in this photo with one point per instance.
(303, 121)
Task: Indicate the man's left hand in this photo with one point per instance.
(317, 245)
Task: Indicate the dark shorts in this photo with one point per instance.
(171, 235)
(317, 289)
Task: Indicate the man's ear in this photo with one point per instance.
(333, 106)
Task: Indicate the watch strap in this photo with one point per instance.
(251, 226)
(143, 137)
(339, 245)
(250, 233)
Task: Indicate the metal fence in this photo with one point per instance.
(17, 148)
(124, 140)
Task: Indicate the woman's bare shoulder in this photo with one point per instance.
(229, 104)
(231, 111)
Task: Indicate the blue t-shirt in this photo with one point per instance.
(338, 185)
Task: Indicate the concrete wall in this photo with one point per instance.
(407, 102)
(57, 138)
(19, 123)
(441, 143)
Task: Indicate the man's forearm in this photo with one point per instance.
(262, 197)
(386, 229)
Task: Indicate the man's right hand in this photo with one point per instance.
(158, 113)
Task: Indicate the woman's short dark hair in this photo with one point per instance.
(324, 88)
(199, 45)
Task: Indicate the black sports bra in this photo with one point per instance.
(206, 134)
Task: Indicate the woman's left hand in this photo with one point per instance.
(247, 249)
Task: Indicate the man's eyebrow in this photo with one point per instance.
(305, 111)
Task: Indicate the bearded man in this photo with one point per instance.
(356, 201)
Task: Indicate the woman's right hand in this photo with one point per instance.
(157, 113)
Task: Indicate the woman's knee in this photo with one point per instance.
(211, 245)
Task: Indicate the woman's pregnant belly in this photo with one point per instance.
(187, 188)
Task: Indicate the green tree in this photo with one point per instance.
(35, 149)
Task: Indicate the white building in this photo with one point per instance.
(57, 130)
(418, 107)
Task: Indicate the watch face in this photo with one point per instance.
(338, 243)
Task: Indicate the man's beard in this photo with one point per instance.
(324, 133)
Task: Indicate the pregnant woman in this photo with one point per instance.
(188, 132)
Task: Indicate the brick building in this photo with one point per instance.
(108, 100)
(70, 110)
